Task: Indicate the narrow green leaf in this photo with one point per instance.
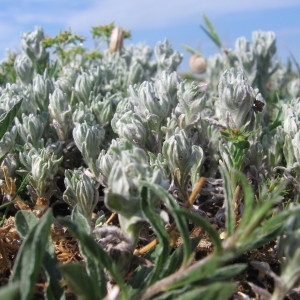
(262, 212)
(135, 284)
(84, 286)
(214, 291)
(176, 259)
(160, 232)
(203, 223)
(53, 290)
(7, 118)
(11, 291)
(180, 221)
(191, 50)
(93, 268)
(211, 32)
(78, 218)
(94, 251)
(25, 221)
(225, 273)
(248, 198)
(30, 256)
(207, 268)
(228, 197)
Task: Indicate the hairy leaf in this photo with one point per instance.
(90, 248)
(7, 118)
(161, 234)
(30, 256)
(84, 286)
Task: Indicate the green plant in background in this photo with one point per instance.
(119, 132)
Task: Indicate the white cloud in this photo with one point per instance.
(137, 14)
(134, 15)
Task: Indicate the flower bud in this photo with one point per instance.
(177, 151)
(191, 102)
(136, 72)
(44, 166)
(87, 196)
(264, 43)
(24, 68)
(131, 127)
(60, 112)
(7, 142)
(145, 98)
(83, 87)
(168, 60)
(88, 139)
(236, 98)
(32, 45)
(32, 127)
(42, 86)
(103, 109)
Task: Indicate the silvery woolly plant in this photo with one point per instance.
(42, 165)
(183, 160)
(42, 87)
(61, 114)
(237, 100)
(88, 139)
(191, 103)
(145, 136)
(31, 128)
(32, 45)
(81, 191)
(291, 130)
(123, 195)
(24, 68)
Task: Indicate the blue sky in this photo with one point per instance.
(155, 20)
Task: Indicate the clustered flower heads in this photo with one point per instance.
(126, 121)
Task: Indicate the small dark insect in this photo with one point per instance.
(156, 99)
(258, 106)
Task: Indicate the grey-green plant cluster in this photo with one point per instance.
(124, 132)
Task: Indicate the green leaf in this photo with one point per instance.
(195, 273)
(228, 199)
(191, 50)
(211, 32)
(92, 250)
(156, 222)
(53, 290)
(7, 118)
(248, 198)
(84, 286)
(139, 280)
(175, 260)
(214, 291)
(261, 213)
(25, 221)
(225, 273)
(93, 268)
(30, 256)
(78, 218)
(11, 291)
(180, 221)
(203, 223)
